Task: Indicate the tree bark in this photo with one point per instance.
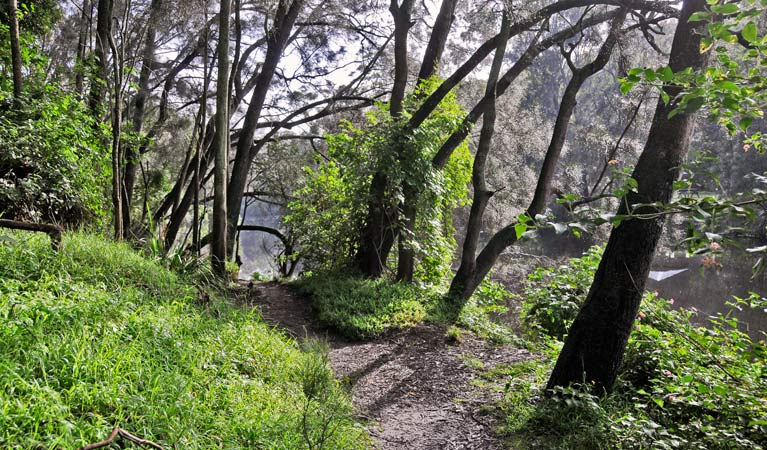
(103, 32)
(13, 18)
(219, 219)
(596, 341)
(278, 36)
(468, 278)
(54, 231)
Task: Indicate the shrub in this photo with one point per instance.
(553, 296)
(363, 308)
(52, 167)
(330, 208)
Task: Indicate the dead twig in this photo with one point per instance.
(117, 431)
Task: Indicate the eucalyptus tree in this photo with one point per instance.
(219, 219)
(597, 339)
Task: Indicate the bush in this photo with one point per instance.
(363, 308)
(52, 168)
(680, 386)
(330, 209)
(553, 296)
(97, 336)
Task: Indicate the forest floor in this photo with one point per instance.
(412, 387)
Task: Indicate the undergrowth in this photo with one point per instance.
(97, 336)
(681, 386)
(364, 308)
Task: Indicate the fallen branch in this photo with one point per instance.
(54, 231)
(117, 431)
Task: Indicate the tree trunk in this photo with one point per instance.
(285, 18)
(82, 45)
(468, 279)
(103, 32)
(429, 66)
(219, 219)
(13, 18)
(481, 194)
(378, 230)
(132, 153)
(596, 341)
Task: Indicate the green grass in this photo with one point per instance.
(362, 308)
(98, 336)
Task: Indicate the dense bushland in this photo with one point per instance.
(681, 385)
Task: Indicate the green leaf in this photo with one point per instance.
(727, 8)
(519, 229)
(745, 123)
(626, 87)
(749, 32)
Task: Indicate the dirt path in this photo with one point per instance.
(412, 386)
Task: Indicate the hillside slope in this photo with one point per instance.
(98, 336)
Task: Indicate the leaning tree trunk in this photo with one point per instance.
(278, 35)
(471, 274)
(132, 153)
(15, 52)
(481, 193)
(597, 339)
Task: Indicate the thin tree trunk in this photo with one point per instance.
(596, 341)
(82, 45)
(466, 281)
(203, 120)
(132, 152)
(481, 193)
(285, 18)
(13, 18)
(218, 245)
(117, 156)
(411, 192)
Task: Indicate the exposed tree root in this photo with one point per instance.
(117, 431)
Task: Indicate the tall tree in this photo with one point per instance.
(103, 33)
(277, 38)
(410, 191)
(219, 219)
(132, 152)
(13, 18)
(596, 341)
(82, 45)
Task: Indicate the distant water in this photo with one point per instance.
(708, 290)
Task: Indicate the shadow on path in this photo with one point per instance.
(412, 386)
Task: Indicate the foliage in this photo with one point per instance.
(97, 336)
(362, 308)
(553, 296)
(331, 207)
(51, 166)
(681, 385)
